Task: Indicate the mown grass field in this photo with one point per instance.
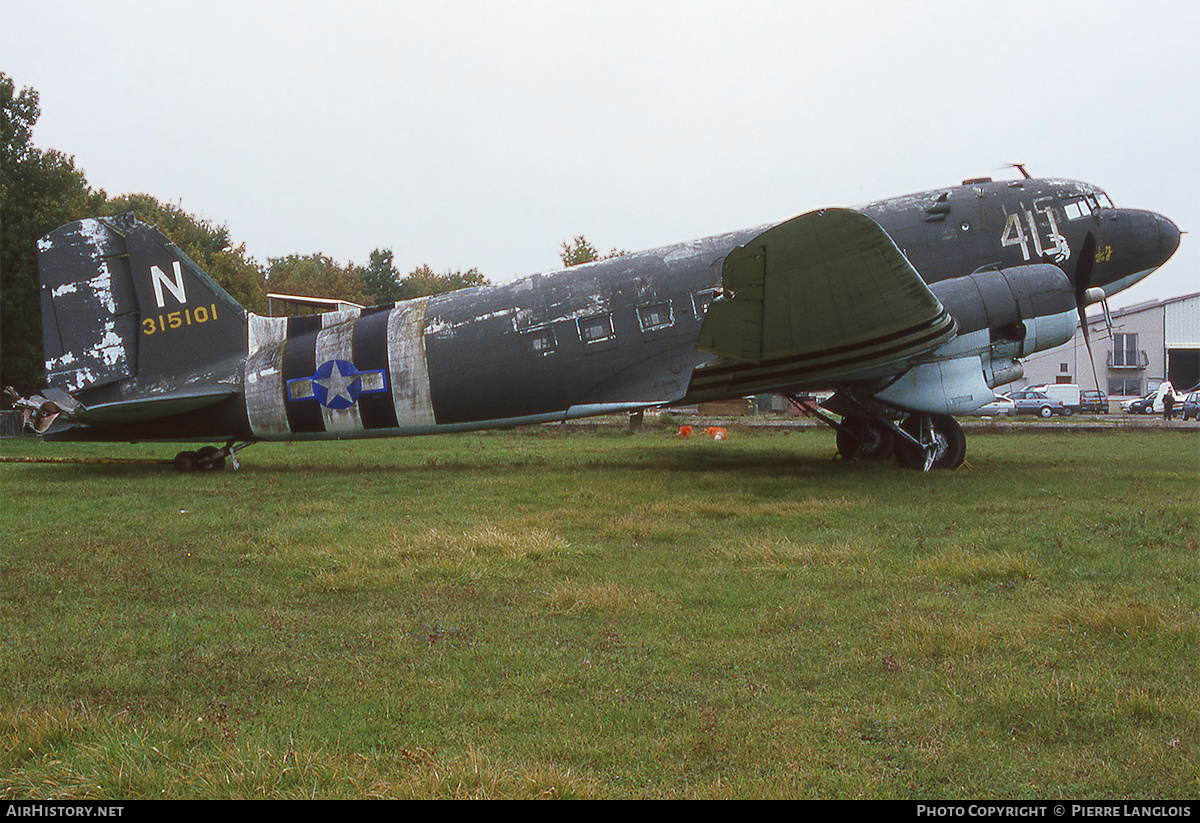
(535, 614)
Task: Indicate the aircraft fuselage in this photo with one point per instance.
(617, 334)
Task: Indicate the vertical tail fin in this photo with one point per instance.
(121, 301)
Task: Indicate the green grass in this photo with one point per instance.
(533, 614)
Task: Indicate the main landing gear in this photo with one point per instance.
(921, 441)
(209, 458)
(934, 441)
(859, 438)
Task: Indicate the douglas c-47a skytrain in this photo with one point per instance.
(910, 310)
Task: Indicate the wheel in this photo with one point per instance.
(1045, 412)
(950, 443)
(209, 459)
(186, 461)
(1067, 412)
(862, 439)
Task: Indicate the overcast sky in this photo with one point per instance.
(484, 134)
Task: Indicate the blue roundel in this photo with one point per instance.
(337, 384)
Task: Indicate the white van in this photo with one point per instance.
(1068, 393)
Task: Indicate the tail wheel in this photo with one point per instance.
(207, 459)
(210, 459)
(947, 450)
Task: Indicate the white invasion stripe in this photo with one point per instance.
(264, 376)
(407, 364)
(335, 341)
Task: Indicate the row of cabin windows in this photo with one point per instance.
(599, 327)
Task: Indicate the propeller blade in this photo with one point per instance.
(1084, 295)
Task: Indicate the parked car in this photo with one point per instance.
(1028, 401)
(1191, 406)
(1143, 405)
(997, 408)
(1093, 401)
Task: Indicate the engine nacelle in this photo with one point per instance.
(1031, 306)
(940, 387)
(1001, 315)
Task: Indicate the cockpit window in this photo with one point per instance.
(1105, 203)
(1077, 209)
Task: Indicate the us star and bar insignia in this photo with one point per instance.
(337, 384)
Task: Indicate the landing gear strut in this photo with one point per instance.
(867, 431)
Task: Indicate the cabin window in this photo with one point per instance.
(539, 341)
(656, 316)
(594, 329)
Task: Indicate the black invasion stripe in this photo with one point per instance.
(370, 348)
(753, 375)
(300, 360)
(938, 324)
(741, 376)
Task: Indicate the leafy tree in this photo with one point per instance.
(422, 281)
(381, 280)
(581, 251)
(39, 191)
(315, 275)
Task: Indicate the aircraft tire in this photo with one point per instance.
(951, 448)
(862, 439)
(186, 462)
(208, 459)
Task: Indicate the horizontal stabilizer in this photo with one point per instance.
(153, 408)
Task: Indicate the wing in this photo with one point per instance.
(825, 294)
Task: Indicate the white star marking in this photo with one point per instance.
(337, 385)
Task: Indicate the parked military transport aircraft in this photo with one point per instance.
(911, 310)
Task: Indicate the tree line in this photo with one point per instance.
(42, 189)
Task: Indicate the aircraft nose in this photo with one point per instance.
(1137, 242)
(1168, 236)
(1154, 237)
